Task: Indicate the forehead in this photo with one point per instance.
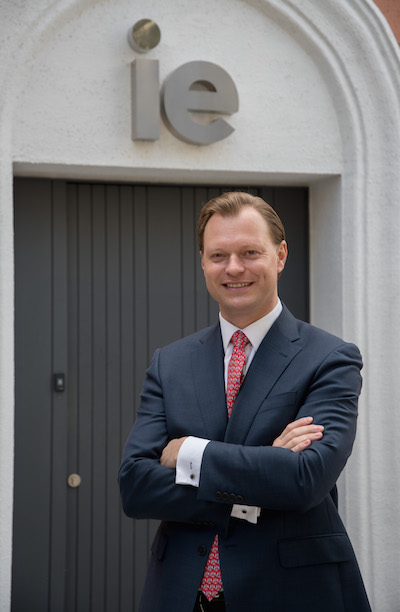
(247, 226)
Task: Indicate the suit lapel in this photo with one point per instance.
(208, 375)
(273, 356)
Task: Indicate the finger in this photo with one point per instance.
(302, 442)
(292, 437)
(307, 434)
(304, 431)
(301, 446)
(167, 460)
(304, 421)
(163, 457)
(285, 435)
(166, 454)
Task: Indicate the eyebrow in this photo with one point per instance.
(244, 247)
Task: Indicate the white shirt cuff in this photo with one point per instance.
(188, 464)
(247, 513)
(188, 467)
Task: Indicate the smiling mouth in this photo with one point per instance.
(237, 285)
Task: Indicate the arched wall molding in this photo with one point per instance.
(355, 289)
(362, 207)
(365, 87)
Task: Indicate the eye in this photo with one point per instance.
(217, 256)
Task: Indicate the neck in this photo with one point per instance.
(242, 320)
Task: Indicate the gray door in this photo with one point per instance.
(104, 275)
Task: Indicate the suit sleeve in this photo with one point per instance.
(277, 478)
(148, 489)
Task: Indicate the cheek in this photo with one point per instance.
(209, 278)
(212, 272)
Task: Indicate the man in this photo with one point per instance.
(238, 443)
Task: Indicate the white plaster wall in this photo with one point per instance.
(317, 83)
(74, 107)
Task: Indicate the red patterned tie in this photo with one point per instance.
(211, 584)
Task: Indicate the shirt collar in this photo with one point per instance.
(255, 332)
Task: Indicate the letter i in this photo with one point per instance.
(145, 99)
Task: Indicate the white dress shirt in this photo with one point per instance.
(190, 455)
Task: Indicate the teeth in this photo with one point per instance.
(237, 285)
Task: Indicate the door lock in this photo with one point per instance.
(74, 481)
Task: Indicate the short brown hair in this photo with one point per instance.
(230, 204)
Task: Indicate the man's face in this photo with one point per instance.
(241, 265)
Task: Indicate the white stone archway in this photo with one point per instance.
(355, 225)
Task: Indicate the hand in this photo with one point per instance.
(169, 455)
(297, 436)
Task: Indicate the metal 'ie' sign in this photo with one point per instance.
(195, 87)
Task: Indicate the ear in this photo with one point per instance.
(282, 252)
(202, 259)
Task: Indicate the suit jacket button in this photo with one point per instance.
(218, 495)
(225, 496)
(240, 499)
(233, 498)
(202, 550)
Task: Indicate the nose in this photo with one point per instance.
(234, 265)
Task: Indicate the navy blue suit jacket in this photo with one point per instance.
(298, 556)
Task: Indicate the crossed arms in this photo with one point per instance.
(296, 436)
(266, 476)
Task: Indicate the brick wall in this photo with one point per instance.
(391, 10)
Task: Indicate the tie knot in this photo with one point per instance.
(239, 339)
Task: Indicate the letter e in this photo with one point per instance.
(217, 94)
